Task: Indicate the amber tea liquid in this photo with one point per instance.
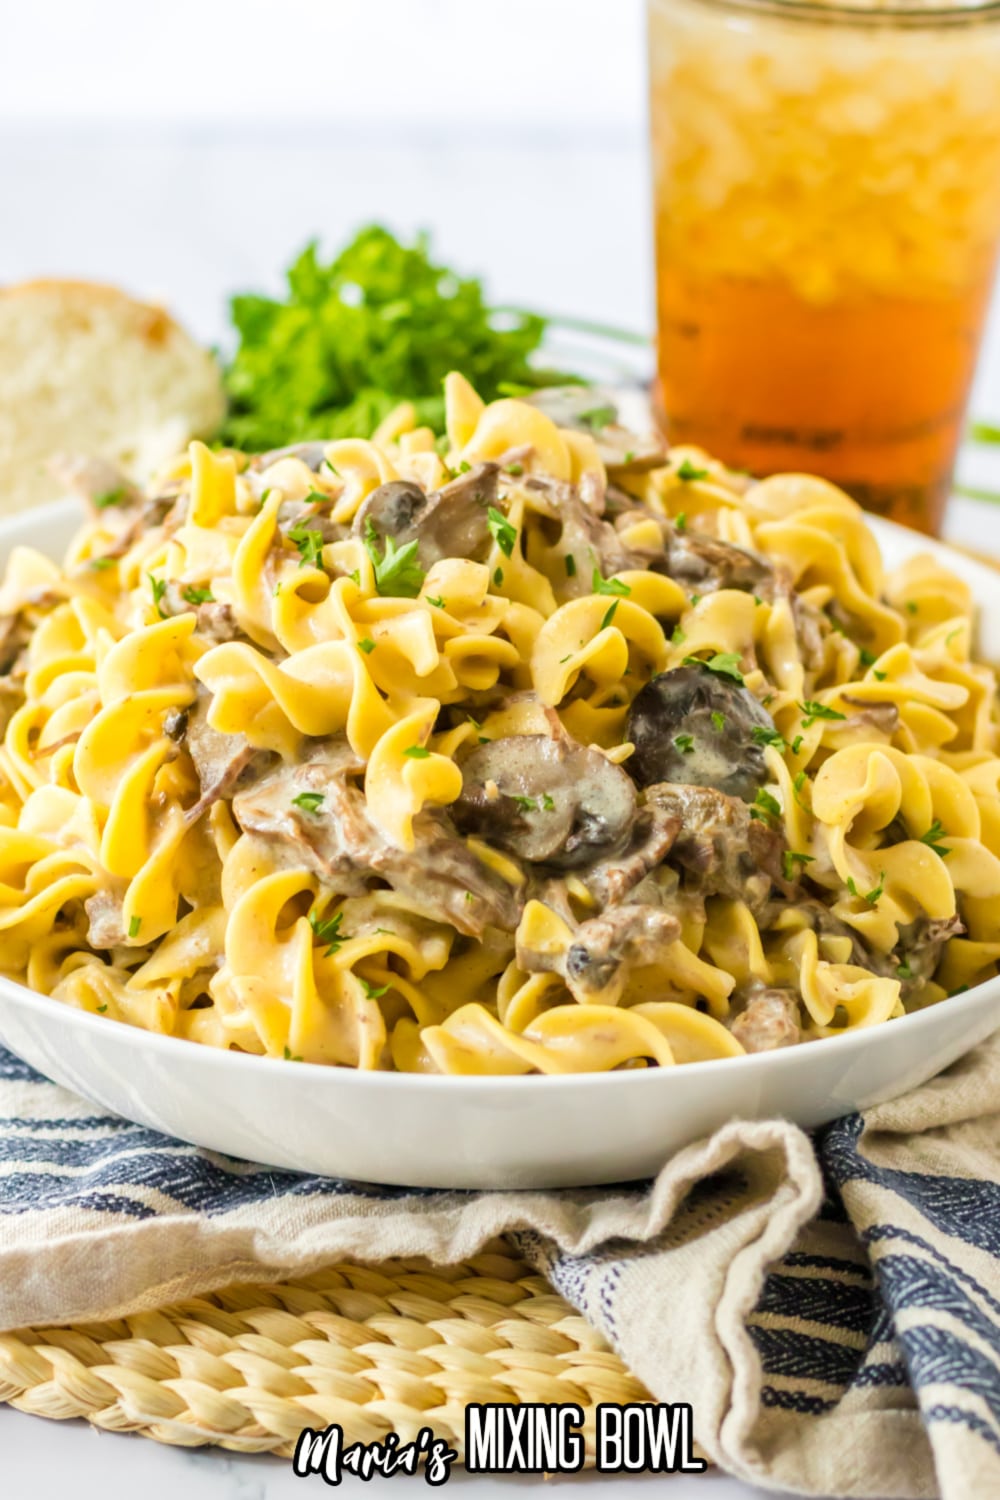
(827, 205)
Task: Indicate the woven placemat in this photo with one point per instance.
(394, 1347)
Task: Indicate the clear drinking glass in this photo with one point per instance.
(827, 208)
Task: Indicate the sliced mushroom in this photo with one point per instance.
(719, 849)
(703, 563)
(765, 1017)
(549, 801)
(695, 727)
(450, 522)
(311, 454)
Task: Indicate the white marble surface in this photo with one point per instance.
(190, 181)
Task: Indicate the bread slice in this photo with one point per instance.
(86, 370)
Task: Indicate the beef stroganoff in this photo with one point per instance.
(531, 750)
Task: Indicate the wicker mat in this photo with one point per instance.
(396, 1347)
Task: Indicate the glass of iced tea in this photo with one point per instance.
(827, 208)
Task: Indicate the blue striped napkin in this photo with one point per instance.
(831, 1309)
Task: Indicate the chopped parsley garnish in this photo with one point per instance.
(397, 571)
(111, 497)
(797, 744)
(814, 711)
(628, 456)
(765, 806)
(870, 897)
(790, 858)
(328, 931)
(681, 521)
(547, 802)
(678, 636)
(609, 616)
(718, 719)
(598, 417)
(952, 635)
(932, 838)
(100, 563)
(263, 499)
(436, 600)
(764, 736)
(502, 532)
(879, 676)
(497, 577)
(526, 804)
(310, 802)
(689, 471)
(101, 1009)
(684, 743)
(798, 782)
(757, 600)
(570, 562)
(309, 544)
(355, 576)
(516, 470)
(367, 646)
(316, 497)
(903, 970)
(694, 599)
(133, 927)
(372, 992)
(417, 752)
(868, 658)
(723, 664)
(912, 606)
(198, 596)
(159, 587)
(287, 1054)
(615, 586)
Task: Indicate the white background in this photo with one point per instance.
(186, 149)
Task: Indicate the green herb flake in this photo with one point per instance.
(367, 646)
(695, 599)
(310, 802)
(872, 897)
(723, 664)
(328, 930)
(100, 563)
(417, 752)
(548, 802)
(570, 562)
(502, 532)
(814, 710)
(159, 587)
(678, 636)
(615, 586)
(765, 806)
(689, 472)
(879, 676)
(932, 838)
(309, 544)
(436, 600)
(903, 970)
(609, 616)
(684, 743)
(133, 927)
(397, 572)
(526, 804)
(101, 1009)
(598, 417)
(628, 456)
(497, 577)
(798, 782)
(790, 858)
(718, 720)
(198, 596)
(764, 736)
(111, 497)
(868, 658)
(372, 992)
(952, 635)
(516, 470)
(681, 521)
(911, 606)
(797, 744)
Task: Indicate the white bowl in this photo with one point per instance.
(482, 1132)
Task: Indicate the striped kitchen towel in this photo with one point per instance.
(830, 1308)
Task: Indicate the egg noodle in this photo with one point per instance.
(534, 750)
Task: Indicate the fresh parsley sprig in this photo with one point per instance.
(397, 571)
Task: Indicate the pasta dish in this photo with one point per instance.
(529, 750)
